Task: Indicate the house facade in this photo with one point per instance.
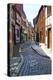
(36, 37)
(30, 32)
(43, 26)
(48, 27)
(17, 24)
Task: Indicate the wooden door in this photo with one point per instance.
(49, 38)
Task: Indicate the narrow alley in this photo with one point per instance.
(29, 39)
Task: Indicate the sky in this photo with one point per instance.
(31, 11)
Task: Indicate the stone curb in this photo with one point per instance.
(39, 53)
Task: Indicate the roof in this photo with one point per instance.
(43, 6)
(18, 8)
(23, 14)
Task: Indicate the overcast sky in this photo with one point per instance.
(31, 11)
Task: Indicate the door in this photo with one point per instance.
(49, 38)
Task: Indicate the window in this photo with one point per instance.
(17, 34)
(48, 11)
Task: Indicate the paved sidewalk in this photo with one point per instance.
(15, 65)
(41, 51)
(47, 51)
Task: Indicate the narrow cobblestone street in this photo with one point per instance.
(30, 39)
(34, 64)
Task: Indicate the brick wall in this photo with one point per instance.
(41, 25)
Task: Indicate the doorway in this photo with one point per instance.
(49, 38)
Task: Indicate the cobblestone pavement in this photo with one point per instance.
(34, 64)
